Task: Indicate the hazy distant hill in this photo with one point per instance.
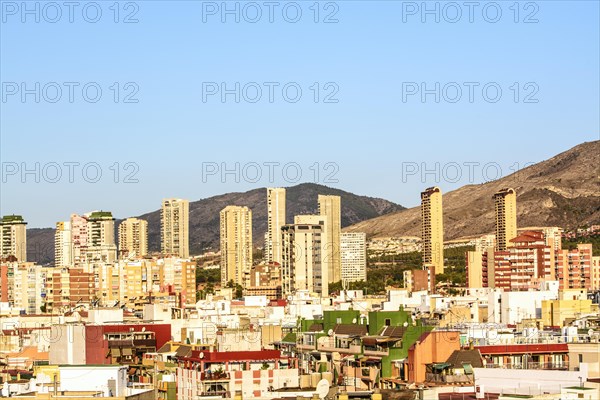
(204, 217)
(562, 191)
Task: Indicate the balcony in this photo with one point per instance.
(532, 365)
(215, 376)
(365, 373)
(329, 345)
(375, 351)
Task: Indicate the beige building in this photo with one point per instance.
(302, 267)
(474, 267)
(595, 274)
(236, 245)
(330, 207)
(275, 220)
(432, 229)
(13, 237)
(174, 225)
(133, 237)
(63, 248)
(505, 202)
(353, 249)
(131, 280)
(560, 312)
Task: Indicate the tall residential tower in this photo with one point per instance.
(275, 220)
(13, 237)
(330, 208)
(236, 245)
(505, 201)
(133, 237)
(174, 227)
(432, 229)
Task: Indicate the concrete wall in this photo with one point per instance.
(526, 381)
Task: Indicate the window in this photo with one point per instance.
(581, 358)
(388, 322)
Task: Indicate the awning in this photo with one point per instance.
(440, 366)
(127, 351)
(115, 352)
(468, 368)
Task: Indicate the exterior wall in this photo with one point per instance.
(574, 267)
(275, 220)
(474, 267)
(96, 346)
(330, 207)
(133, 237)
(432, 347)
(69, 346)
(555, 312)
(303, 265)
(13, 237)
(525, 382)
(432, 228)
(175, 227)
(236, 245)
(589, 354)
(353, 248)
(505, 202)
(252, 383)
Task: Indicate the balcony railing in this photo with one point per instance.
(215, 376)
(532, 365)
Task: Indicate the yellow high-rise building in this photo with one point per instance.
(236, 245)
(275, 220)
(505, 201)
(432, 229)
(330, 207)
(13, 237)
(174, 227)
(133, 237)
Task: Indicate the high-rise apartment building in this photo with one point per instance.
(236, 244)
(330, 208)
(63, 249)
(13, 237)
(66, 288)
(302, 267)
(505, 202)
(175, 227)
(79, 239)
(101, 246)
(275, 220)
(353, 249)
(133, 237)
(432, 229)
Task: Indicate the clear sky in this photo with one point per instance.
(168, 128)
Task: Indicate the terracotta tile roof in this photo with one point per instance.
(350, 330)
(460, 357)
(183, 351)
(316, 328)
(393, 331)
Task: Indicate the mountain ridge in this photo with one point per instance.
(563, 190)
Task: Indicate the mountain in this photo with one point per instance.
(204, 217)
(562, 191)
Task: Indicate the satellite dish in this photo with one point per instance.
(405, 324)
(201, 355)
(354, 321)
(330, 332)
(322, 388)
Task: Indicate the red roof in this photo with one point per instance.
(524, 348)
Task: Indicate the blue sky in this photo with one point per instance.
(368, 65)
